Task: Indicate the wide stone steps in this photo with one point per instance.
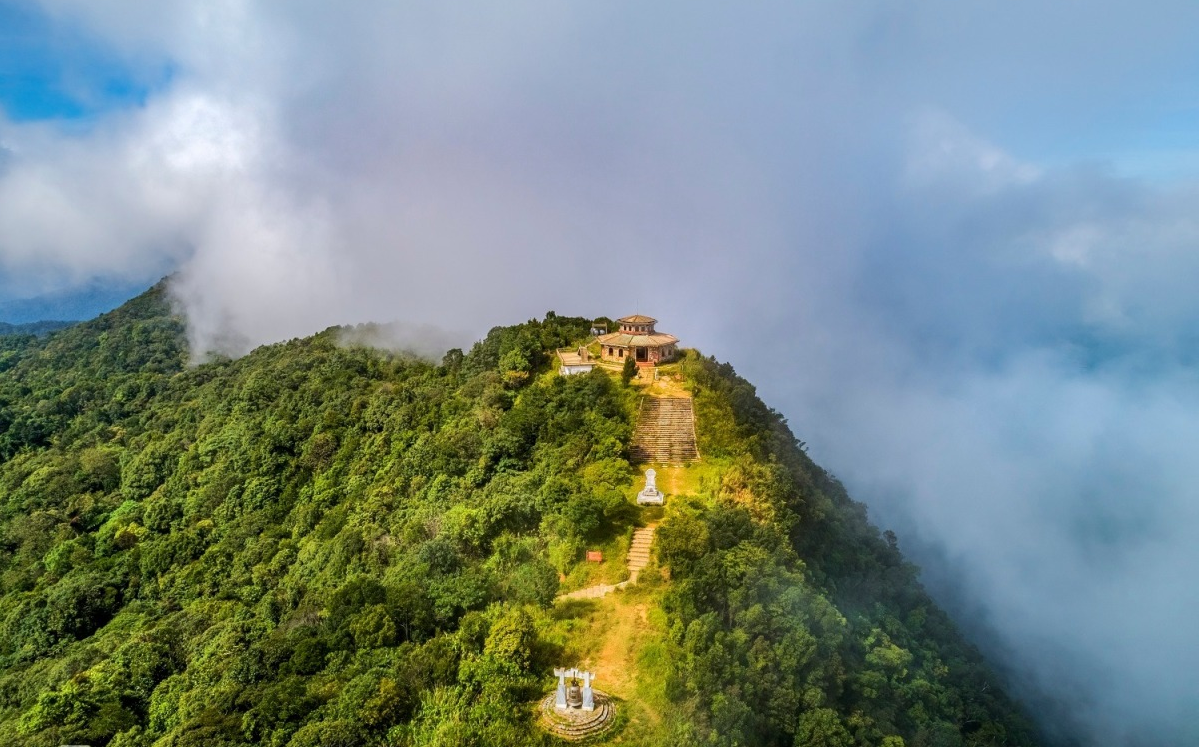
(665, 431)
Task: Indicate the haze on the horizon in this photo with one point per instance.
(955, 243)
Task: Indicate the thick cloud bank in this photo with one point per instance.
(954, 243)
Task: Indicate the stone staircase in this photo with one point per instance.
(643, 539)
(665, 431)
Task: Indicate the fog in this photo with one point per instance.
(954, 244)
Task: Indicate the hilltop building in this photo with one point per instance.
(639, 340)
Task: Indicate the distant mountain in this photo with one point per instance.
(325, 544)
(33, 328)
(82, 302)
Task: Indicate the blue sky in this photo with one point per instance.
(54, 70)
(966, 235)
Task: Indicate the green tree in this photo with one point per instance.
(822, 728)
(512, 639)
(628, 371)
(373, 628)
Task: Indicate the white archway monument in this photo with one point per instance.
(560, 697)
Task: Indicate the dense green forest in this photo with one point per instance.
(33, 328)
(326, 544)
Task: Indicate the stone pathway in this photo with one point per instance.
(639, 552)
(593, 592)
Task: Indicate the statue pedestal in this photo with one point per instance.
(646, 498)
(650, 496)
(576, 724)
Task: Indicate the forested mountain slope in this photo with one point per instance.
(318, 544)
(33, 328)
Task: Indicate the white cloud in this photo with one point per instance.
(997, 353)
(945, 150)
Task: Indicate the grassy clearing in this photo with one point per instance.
(613, 569)
(622, 638)
(697, 478)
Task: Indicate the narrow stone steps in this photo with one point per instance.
(639, 551)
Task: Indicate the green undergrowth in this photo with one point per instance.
(613, 569)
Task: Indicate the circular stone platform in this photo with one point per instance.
(575, 724)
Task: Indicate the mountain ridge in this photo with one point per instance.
(327, 544)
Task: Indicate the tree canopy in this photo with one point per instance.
(328, 544)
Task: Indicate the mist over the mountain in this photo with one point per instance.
(953, 244)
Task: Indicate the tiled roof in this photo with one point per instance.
(637, 319)
(622, 340)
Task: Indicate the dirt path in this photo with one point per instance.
(667, 386)
(674, 479)
(615, 661)
(611, 638)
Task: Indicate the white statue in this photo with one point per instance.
(650, 496)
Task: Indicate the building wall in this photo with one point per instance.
(653, 354)
(572, 370)
(660, 354)
(637, 329)
(614, 355)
